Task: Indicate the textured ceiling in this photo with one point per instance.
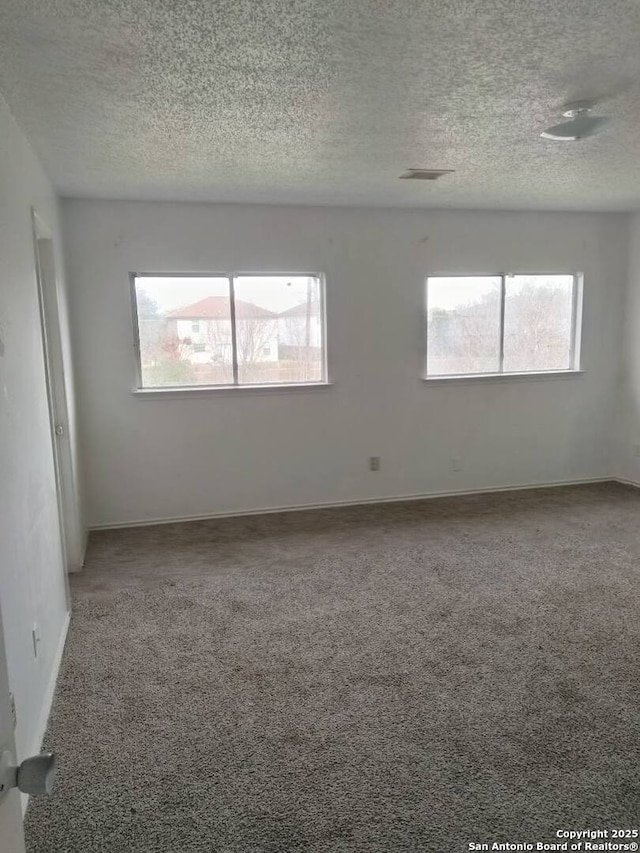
(327, 101)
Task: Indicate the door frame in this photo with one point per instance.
(47, 288)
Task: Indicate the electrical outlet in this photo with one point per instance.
(374, 463)
(35, 637)
(456, 463)
(636, 450)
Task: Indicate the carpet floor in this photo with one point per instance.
(400, 677)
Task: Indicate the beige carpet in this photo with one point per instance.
(408, 677)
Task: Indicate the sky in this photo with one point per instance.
(276, 293)
(447, 292)
(450, 292)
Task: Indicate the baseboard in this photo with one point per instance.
(358, 502)
(626, 482)
(47, 700)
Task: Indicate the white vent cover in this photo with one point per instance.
(425, 174)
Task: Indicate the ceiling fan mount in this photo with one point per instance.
(577, 108)
(581, 124)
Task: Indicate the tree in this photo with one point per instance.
(218, 333)
(163, 355)
(171, 365)
(253, 335)
(175, 348)
(147, 307)
(466, 339)
(538, 327)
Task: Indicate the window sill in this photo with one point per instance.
(206, 390)
(503, 377)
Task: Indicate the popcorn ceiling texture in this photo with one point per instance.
(326, 101)
(408, 677)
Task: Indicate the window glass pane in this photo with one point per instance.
(537, 322)
(279, 329)
(463, 325)
(185, 330)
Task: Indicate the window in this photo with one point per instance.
(252, 330)
(495, 324)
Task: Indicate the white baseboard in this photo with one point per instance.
(357, 502)
(47, 699)
(626, 482)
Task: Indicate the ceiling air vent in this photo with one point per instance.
(426, 174)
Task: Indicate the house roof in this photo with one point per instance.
(300, 310)
(217, 308)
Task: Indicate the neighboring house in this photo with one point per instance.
(301, 326)
(206, 324)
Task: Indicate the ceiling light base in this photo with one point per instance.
(581, 125)
(577, 108)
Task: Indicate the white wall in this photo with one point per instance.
(628, 461)
(236, 451)
(32, 577)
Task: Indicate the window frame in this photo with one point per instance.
(575, 340)
(235, 386)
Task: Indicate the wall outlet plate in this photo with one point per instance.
(374, 463)
(456, 463)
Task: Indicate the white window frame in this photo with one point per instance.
(575, 343)
(190, 390)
